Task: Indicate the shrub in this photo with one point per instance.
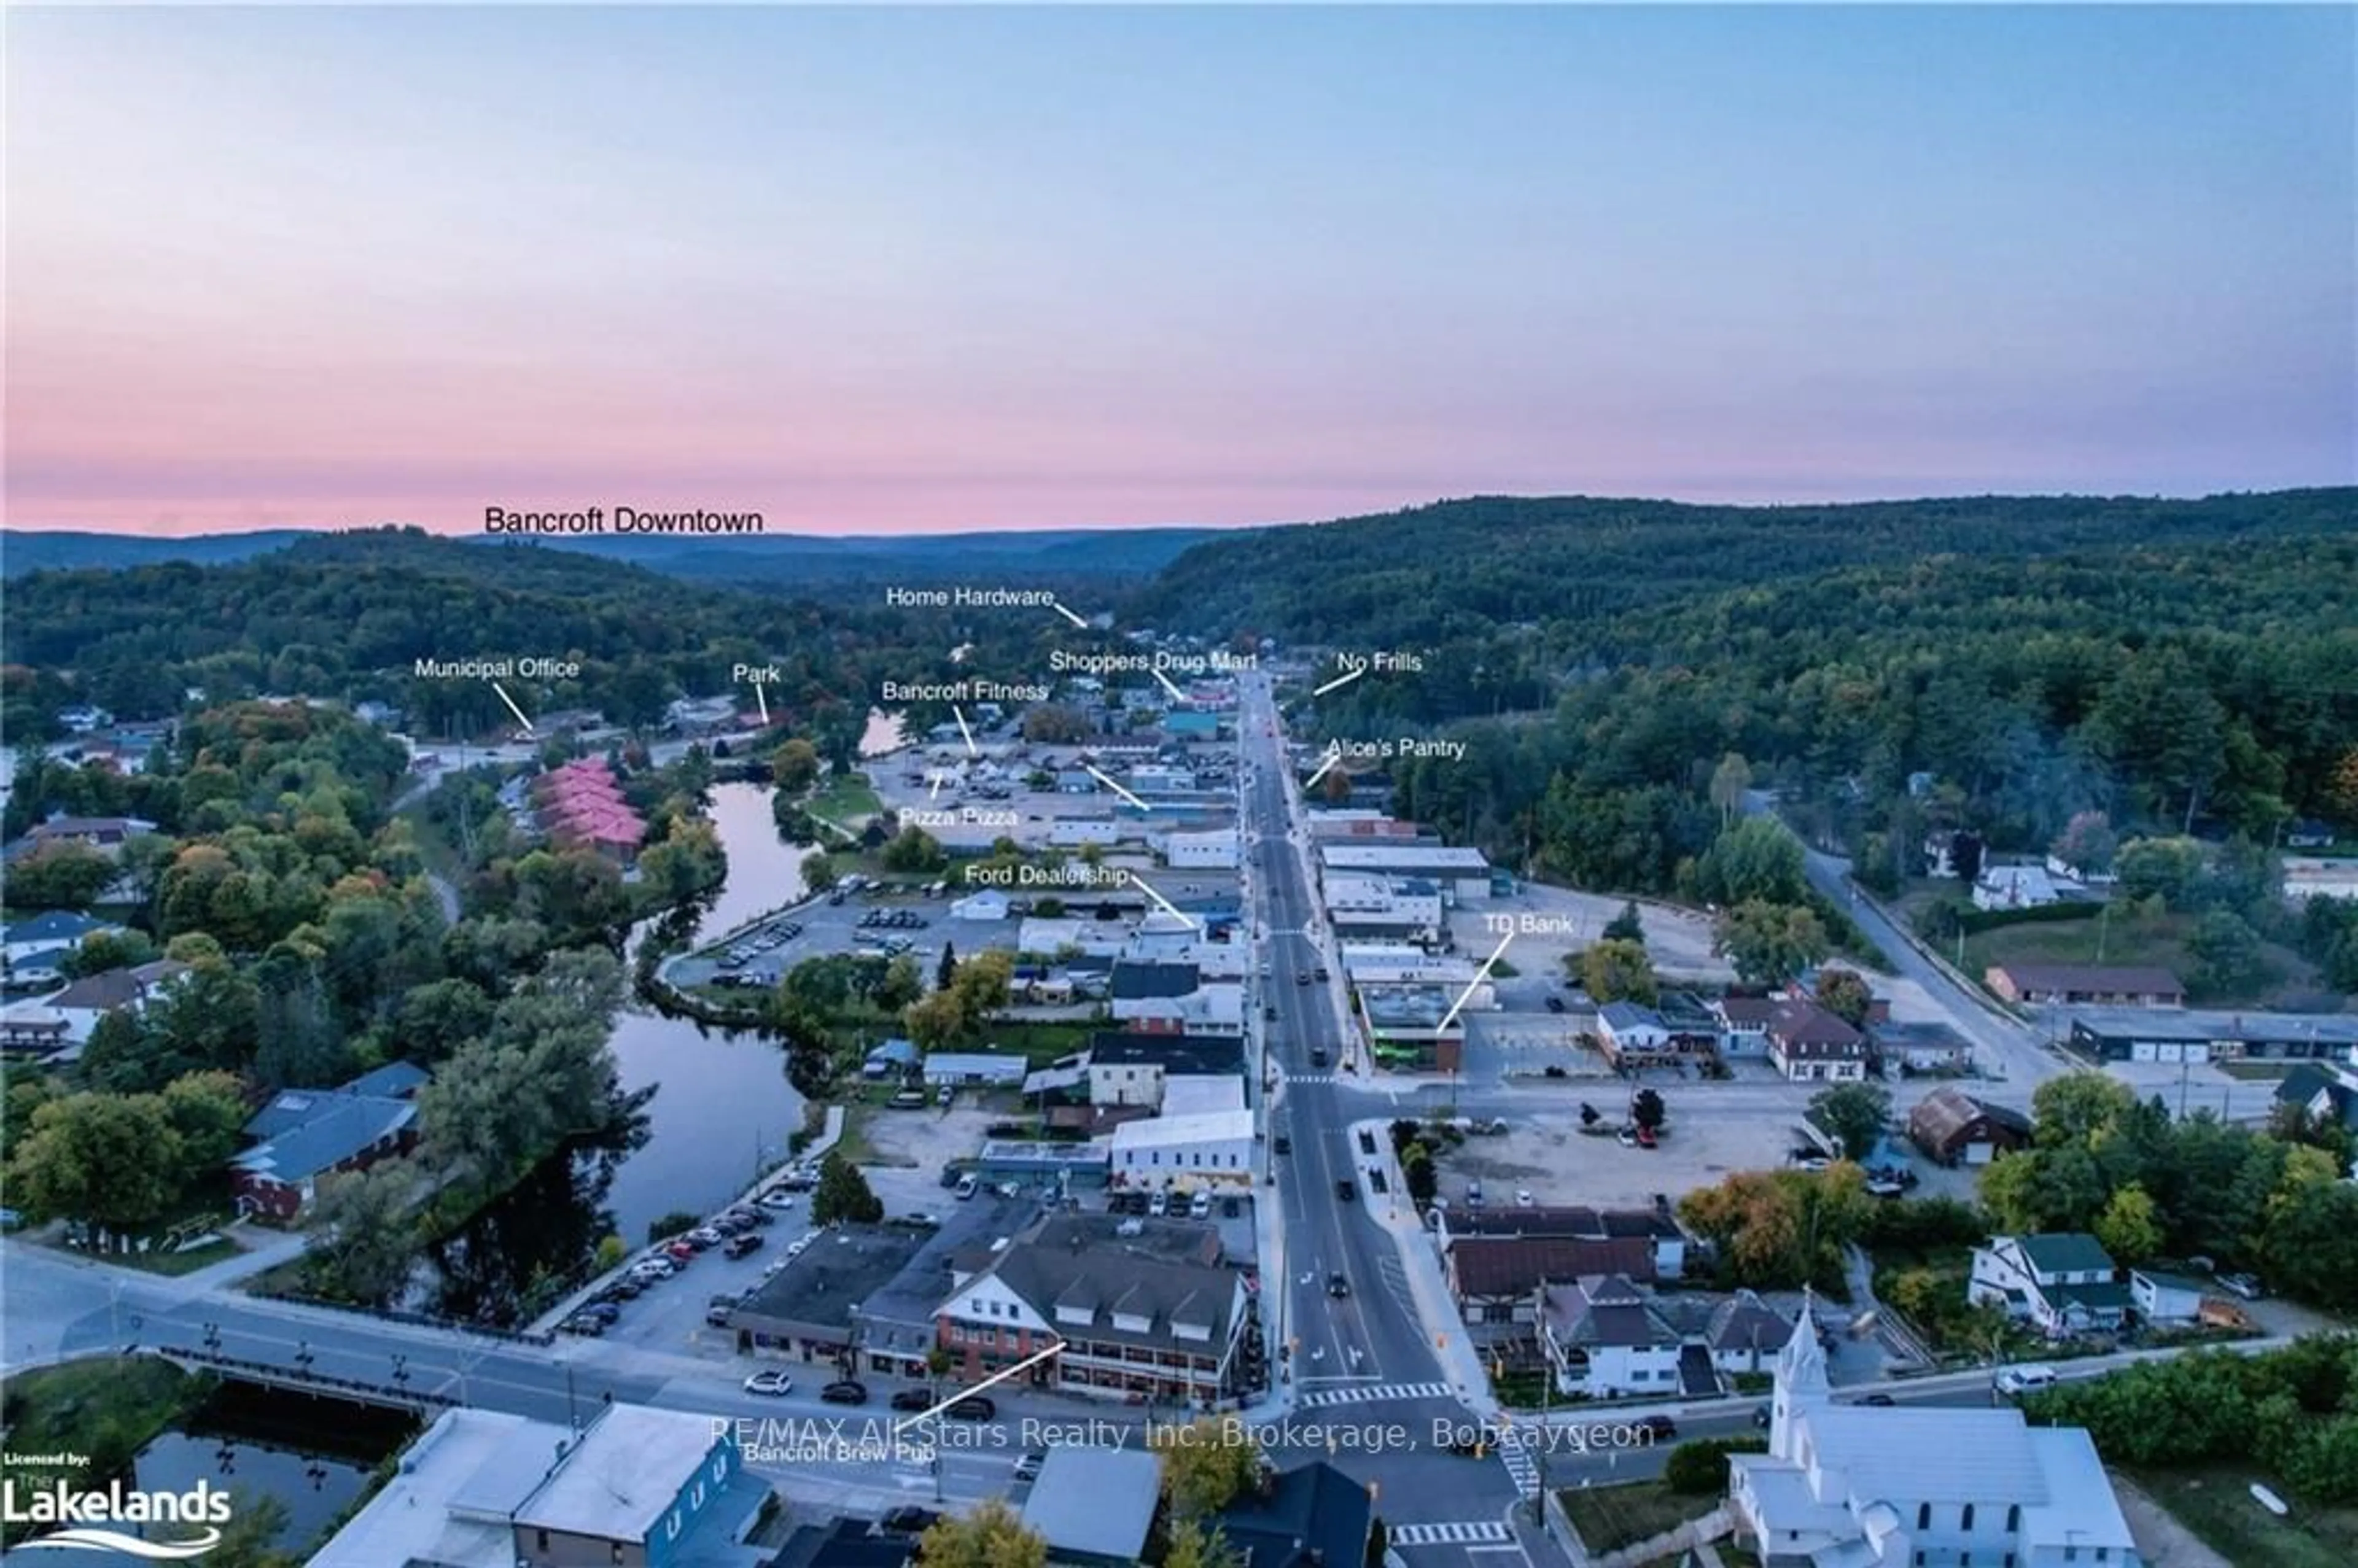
(1699, 1467)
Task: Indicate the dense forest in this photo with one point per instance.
(349, 615)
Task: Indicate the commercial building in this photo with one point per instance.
(2085, 984)
(1869, 1486)
(1385, 909)
(809, 1310)
(639, 1487)
(1151, 1312)
(1095, 1505)
(1214, 850)
(1411, 1028)
(1130, 1068)
(1207, 1149)
(1919, 1047)
(2135, 1034)
(1809, 1045)
(1461, 875)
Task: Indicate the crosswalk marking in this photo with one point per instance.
(1373, 1393)
(1312, 1079)
(1521, 1467)
(1472, 1532)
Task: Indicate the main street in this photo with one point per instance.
(1364, 1360)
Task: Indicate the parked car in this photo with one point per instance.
(968, 1186)
(1230, 1208)
(743, 1245)
(1028, 1467)
(1282, 1144)
(2243, 1285)
(770, 1383)
(583, 1323)
(661, 1268)
(907, 1520)
(1200, 1206)
(1556, 1004)
(681, 1253)
(604, 1312)
(913, 1399)
(1345, 1190)
(703, 1237)
(973, 1407)
(846, 1392)
(1159, 1205)
(2014, 1381)
(1660, 1428)
(626, 1289)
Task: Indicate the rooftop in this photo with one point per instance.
(622, 1474)
(825, 1287)
(447, 1504)
(1095, 1502)
(1312, 1508)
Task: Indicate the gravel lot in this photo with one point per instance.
(1559, 1163)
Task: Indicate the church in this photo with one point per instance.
(1846, 1486)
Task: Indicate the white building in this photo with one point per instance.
(1091, 938)
(1868, 1486)
(1392, 909)
(1605, 1336)
(1461, 875)
(2064, 1283)
(1203, 1094)
(1216, 849)
(987, 904)
(2016, 887)
(1184, 1151)
(55, 931)
(1078, 832)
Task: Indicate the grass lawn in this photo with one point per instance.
(105, 1409)
(843, 797)
(1041, 1043)
(161, 1262)
(2216, 1504)
(2125, 942)
(2256, 1072)
(1610, 1518)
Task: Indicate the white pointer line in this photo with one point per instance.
(1332, 758)
(959, 714)
(1346, 678)
(1116, 789)
(514, 708)
(764, 701)
(1057, 605)
(1170, 908)
(995, 1379)
(1480, 976)
(1173, 690)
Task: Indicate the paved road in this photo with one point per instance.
(1364, 1367)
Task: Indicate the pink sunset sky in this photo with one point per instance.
(909, 271)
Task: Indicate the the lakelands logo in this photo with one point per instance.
(85, 1521)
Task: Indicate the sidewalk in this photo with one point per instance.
(1461, 1363)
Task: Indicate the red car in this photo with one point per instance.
(1646, 1137)
(680, 1252)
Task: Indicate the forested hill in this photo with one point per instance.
(1448, 572)
(348, 615)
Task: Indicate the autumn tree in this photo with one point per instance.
(1768, 943)
(1847, 995)
(1206, 1465)
(1617, 970)
(794, 767)
(2129, 1227)
(992, 1535)
(2087, 844)
(1854, 1114)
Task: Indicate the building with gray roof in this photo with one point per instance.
(1095, 1505)
(1864, 1486)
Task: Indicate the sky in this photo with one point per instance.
(881, 271)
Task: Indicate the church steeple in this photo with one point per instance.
(1800, 1379)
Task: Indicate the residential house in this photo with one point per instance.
(1737, 1336)
(303, 1135)
(1174, 998)
(105, 834)
(1919, 1047)
(35, 1028)
(1313, 1514)
(1150, 1313)
(1953, 1128)
(1130, 1068)
(2070, 878)
(56, 933)
(86, 1000)
(2082, 985)
(890, 1058)
(1809, 1045)
(1495, 1280)
(2325, 1092)
(2016, 887)
(1094, 1506)
(1865, 1486)
(2063, 1283)
(1603, 1337)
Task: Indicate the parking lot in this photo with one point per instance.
(1549, 1156)
(823, 925)
(668, 1314)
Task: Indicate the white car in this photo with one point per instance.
(1523, 1198)
(655, 1268)
(772, 1384)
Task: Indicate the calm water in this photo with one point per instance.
(721, 1107)
(313, 1455)
(883, 735)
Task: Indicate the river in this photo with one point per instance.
(721, 1109)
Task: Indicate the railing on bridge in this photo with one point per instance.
(302, 1378)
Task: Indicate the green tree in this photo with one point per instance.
(1647, 1110)
(913, 850)
(1416, 1170)
(794, 767)
(843, 1195)
(818, 871)
(59, 876)
(1856, 1114)
(1728, 783)
(434, 1019)
(2166, 869)
(103, 950)
(207, 1111)
(903, 983)
(364, 1233)
(1627, 926)
(1753, 860)
(2226, 953)
(935, 1022)
(1206, 1465)
(1198, 1545)
(2087, 844)
(1847, 995)
(1615, 971)
(992, 1535)
(112, 1160)
(1768, 943)
(2129, 1227)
